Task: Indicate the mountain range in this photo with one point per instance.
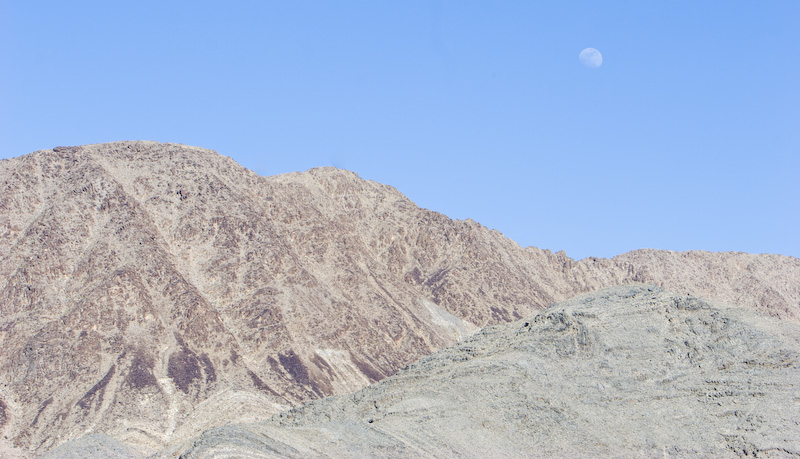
(151, 292)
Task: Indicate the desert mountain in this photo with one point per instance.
(624, 372)
(150, 291)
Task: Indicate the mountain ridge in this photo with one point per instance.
(140, 275)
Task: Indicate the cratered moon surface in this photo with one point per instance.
(591, 57)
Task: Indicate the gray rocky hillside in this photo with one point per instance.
(624, 372)
(151, 291)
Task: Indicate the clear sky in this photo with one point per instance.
(686, 137)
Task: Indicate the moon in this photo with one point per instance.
(591, 58)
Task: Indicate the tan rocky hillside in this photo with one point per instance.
(149, 291)
(630, 371)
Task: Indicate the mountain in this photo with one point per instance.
(152, 291)
(625, 372)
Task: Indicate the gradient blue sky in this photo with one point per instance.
(687, 137)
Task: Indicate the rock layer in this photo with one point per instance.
(145, 285)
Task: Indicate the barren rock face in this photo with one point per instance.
(623, 372)
(149, 291)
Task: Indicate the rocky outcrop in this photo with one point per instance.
(625, 372)
(145, 285)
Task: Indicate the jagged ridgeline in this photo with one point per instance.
(151, 291)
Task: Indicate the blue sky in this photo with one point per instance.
(687, 137)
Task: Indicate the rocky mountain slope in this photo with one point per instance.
(628, 371)
(150, 291)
